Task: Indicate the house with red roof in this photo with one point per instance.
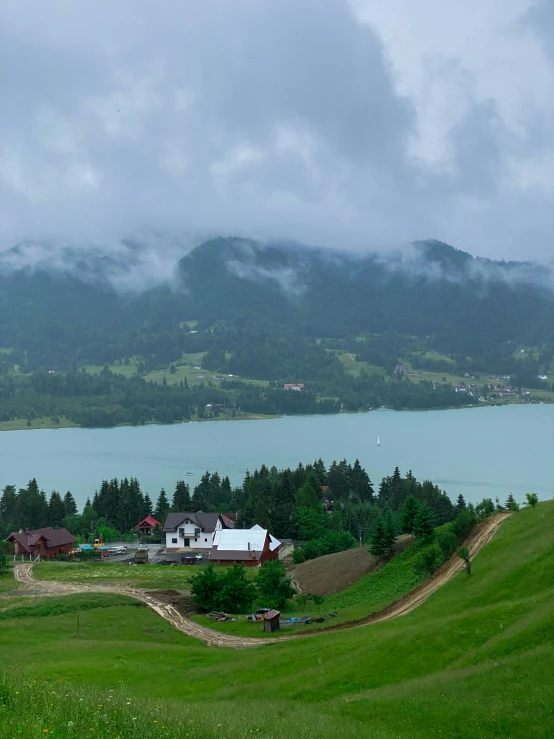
(147, 526)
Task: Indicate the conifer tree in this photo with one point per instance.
(409, 513)
(423, 523)
(147, 509)
(378, 542)
(389, 529)
(460, 504)
(511, 504)
(181, 497)
(56, 510)
(8, 510)
(69, 504)
(162, 507)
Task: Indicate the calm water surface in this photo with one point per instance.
(477, 451)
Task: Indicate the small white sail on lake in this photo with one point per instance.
(378, 442)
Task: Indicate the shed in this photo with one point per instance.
(272, 620)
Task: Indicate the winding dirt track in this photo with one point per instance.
(23, 573)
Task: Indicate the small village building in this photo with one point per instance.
(272, 620)
(295, 386)
(46, 542)
(189, 530)
(147, 526)
(229, 520)
(250, 547)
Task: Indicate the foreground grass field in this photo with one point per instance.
(152, 577)
(475, 660)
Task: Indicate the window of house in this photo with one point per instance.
(174, 541)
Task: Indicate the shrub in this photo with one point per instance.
(428, 561)
(298, 556)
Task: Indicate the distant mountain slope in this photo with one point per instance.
(431, 289)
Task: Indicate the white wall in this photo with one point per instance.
(202, 540)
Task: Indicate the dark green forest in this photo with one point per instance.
(326, 509)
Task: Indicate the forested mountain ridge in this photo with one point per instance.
(432, 289)
(275, 313)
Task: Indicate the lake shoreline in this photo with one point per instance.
(21, 424)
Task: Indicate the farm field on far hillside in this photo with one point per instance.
(475, 660)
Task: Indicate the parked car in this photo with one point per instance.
(117, 550)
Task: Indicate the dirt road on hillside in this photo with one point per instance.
(23, 573)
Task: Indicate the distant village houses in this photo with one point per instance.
(295, 386)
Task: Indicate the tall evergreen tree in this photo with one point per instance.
(56, 510)
(147, 509)
(460, 504)
(360, 484)
(389, 533)
(378, 542)
(8, 510)
(424, 522)
(69, 504)
(162, 507)
(283, 505)
(256, 510)
(409, 512)
(181, 497)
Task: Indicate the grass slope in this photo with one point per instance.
(475, 660)
(150, 577)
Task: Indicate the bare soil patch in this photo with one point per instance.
(333, 572)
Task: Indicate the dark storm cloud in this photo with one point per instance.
(271, 119)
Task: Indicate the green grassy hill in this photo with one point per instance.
(475, 660)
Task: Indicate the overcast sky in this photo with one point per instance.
(356, 125)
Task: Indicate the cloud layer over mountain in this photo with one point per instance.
(356, 125)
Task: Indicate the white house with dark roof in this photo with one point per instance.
(187, 530)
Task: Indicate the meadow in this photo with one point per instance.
(475, 660)
(152, 577)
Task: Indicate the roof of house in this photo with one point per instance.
(149, 521)
(240, 540)
(273, 542)
(234, 555)
(204, 521)
(53, 537)
(229, 520)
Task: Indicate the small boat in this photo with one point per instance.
(188, 474)
(378, 442)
